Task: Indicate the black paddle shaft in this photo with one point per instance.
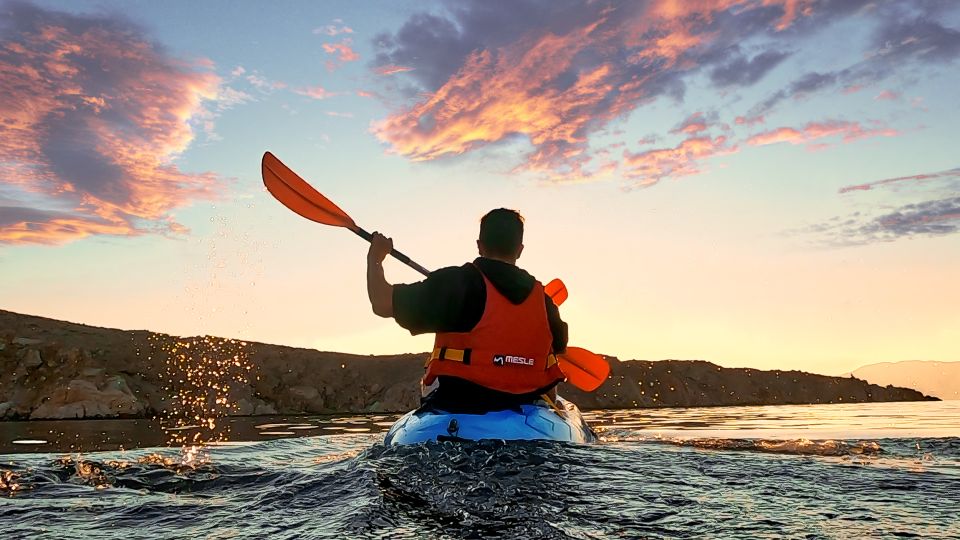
(396, 254)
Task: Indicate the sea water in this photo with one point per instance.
(888, 470)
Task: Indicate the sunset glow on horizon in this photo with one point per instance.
(760, 183)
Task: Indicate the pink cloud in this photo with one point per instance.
(887, 95)
(343, 50)
(784, 134)
(943, 175)
(391, 69)
(92, 119)
(651, 166)
(315, 92)
(693, 124)
(848, 131)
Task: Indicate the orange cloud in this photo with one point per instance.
(555, 88)
(695, 123)
(649, 167)
(92, 119)
(849, 131)
(784, 134)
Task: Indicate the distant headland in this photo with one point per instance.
(52, 369)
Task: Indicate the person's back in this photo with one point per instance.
(496, 328)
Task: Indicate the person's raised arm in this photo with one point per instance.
(379, 291)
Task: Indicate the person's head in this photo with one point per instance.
(501, 235)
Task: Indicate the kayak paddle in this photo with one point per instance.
(556, 290)
(297, 195)
(583, 369)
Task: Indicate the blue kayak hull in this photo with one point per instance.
(529, 422)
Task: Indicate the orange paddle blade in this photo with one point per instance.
(556, 290)
(584, 369)
(296, 194)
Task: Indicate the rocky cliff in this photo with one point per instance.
(56, 369)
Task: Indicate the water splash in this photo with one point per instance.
(203, 376)
(9, 482)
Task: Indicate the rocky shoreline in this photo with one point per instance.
(53, 369)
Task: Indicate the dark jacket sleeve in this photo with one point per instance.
(557, 327)
(444, 302)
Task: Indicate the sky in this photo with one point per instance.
(758, 183)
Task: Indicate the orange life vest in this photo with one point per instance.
(509, 350)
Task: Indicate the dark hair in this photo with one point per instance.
(501, 232)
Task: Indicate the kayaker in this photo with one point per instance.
(496, 330)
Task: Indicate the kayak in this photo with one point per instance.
(528, 422)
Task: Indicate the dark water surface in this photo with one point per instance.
(826, 471)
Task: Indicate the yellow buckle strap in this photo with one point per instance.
(551, 360)
(445, 353)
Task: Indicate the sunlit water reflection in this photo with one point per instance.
(826, 471)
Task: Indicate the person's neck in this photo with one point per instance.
(501, 259)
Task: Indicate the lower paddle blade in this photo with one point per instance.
(584, 369)
(556, 290)
(297, 195)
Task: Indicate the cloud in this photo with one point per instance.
(555, 73)
(905, 34)
(749, 120)
(942, 175)
(693, 124)
(334, 29)
(801, 87)
(392, 69)
(887, 95)
(937, 213)
(343, 50)
(20, 225)
(91, 121)
(551, 75)
(263, 84)
(315, 92)
(915, 38)
(848, 131)
(741, 71)
(649, 167)
(938, 217)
